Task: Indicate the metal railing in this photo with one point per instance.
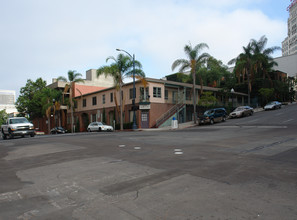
(176, 108)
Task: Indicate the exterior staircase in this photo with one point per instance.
(173, 110)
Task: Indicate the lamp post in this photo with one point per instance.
(134, 126)
(232, 92)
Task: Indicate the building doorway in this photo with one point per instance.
(145, 119)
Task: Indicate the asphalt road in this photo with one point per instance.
(241, 169)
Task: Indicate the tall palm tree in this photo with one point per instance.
(121, 68)
(245, 66)
(73, 77)
(193, 63)
(255, 58)
(264, 61)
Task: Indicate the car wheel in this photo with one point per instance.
(32, 135)
(224, 119)
(4, 136)
(211, 121)
(89, 130)
(99, 129)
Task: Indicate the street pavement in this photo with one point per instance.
(240, 169)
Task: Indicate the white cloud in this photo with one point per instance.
(48, 38)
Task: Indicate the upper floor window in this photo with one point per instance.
(94, 100)
(188, 94)
(166, 94)
(84, 103)
(157, 92)
(111, 97)
(103, 99)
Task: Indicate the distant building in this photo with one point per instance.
(7, 102)
(287, 64)
(289, 45)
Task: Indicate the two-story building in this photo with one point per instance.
(157, 101)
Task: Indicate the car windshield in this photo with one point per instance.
(239, 109)
(271, 103)
(208, 112)
(18, 120)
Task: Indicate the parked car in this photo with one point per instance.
(241, 111)
(99, 126)
(58, 130)
(272, 105)
(213, 115)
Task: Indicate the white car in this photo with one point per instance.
(99, 126)
(272, 105)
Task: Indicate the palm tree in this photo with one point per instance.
(121, 68)
(254, 58)
(50, 99)
(245, 66)
(193, 64)
(264, 61)
(73, 77)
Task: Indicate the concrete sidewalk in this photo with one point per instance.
(185, 125)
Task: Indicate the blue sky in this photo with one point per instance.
(48, 38)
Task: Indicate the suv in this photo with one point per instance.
(213, 115)
(18, 126)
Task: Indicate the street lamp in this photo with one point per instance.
(232, 92)
(134, 126)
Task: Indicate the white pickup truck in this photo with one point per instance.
(18, 126)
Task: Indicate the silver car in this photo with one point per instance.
(241, 112)
(99, 126)
(272, 105)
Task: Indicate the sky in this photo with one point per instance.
(47, 38)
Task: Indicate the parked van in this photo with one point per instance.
(213, 115)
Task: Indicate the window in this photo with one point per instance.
(166, 94)
(84, 103)
(157, 92)
(188, 94)
(111, 97)
(103, 99)
(94, 117)
(131, 93)
(94, 100)
(144, 94)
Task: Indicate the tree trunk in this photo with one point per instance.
(121, 109)
(71, 107)
(194, 96)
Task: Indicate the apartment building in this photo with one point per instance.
(157, 102)
(289, 45)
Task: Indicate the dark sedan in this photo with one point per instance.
(58, 130)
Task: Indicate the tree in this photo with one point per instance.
(121, 68)
(267, 94)
(26, 104)
(193, 64)
(207, 99)
(244, 67)
(73, 77)
(263, 60)
(254, 59)
(3, 116)
(50, 99)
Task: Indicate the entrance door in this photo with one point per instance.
(144, 119)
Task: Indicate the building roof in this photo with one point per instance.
(83, 89)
